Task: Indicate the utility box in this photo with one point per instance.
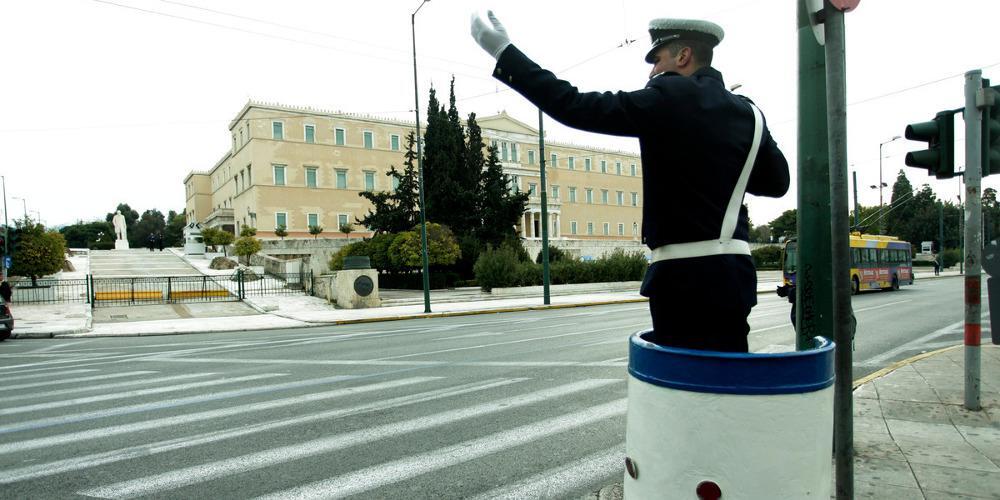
(194, 244)
(356, 286)
(704, 424)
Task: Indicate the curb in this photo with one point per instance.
(899, 364)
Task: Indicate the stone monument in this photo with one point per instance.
(194, 244)
(356, 286)
(121, 236)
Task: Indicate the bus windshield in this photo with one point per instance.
(790, 258)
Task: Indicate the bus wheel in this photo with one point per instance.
(855, 286)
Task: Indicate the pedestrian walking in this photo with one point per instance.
(702, 148)
(159, 241)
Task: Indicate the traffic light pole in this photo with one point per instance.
(973, 238)
(545, 213)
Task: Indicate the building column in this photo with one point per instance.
(524, 226)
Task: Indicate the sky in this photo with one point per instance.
(109, 101)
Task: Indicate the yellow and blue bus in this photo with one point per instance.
(877, 263)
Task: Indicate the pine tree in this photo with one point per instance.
(450, 187)
(499, 207)
(395, 211)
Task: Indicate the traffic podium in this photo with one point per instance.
(704, 424)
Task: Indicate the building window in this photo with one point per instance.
(590, 228)
(395, 183)
(313, 219)
(607, 229)
(342, 220)
(604, 196)
(369, 181)
(515, 184)
(339, 136)
(618, 168)
(555, 160)
(621, 198)
(555, 192)
(604, 166)
(279, 175)
(586, 164)
(234, 143)
(369, 139)
(310, 134)
(281, 219)
(572, 195)
(341, 179)
(634, 170)
(242, 142)
(572, 227)
(621, 229)
(635, 229)
(394, 142)
(311, 177)
(531, 157)
(277, 131)
(531, 188)
(590, 196)
(635, 199)
(570, 163)
(503, 151)
(513, 153)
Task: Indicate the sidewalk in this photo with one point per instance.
(913, 438)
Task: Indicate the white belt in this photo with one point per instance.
(725, 244)
(700, 249)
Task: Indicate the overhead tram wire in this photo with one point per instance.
(279, 37)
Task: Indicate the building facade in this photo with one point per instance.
(299, 167)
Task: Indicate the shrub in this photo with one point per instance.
(246, 246)
(952, 256)
(556, 254)
(358, 248)
(248, 231)
(222, 263)
(766, 257)
(281, 231)
(497, 268)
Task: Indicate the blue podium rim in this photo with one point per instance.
(691, 370)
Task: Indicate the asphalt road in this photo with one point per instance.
(514, 405)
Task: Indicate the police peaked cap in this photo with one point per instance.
(663, 31)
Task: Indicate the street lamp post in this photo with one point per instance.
(881, 184)
(6, 230)
(420, 164)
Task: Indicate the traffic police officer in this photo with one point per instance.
(702, 147)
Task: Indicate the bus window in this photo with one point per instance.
(855, 257)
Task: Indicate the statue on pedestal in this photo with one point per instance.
(121, 239)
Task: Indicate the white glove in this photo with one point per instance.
(493, 40)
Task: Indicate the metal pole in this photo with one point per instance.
(6, 228)
(973, 237)
(961, 230)
(857, 209)
(843, 317)
(545, 214)
(881, 183)
(941, 236)
(420, 166)
(814, 288)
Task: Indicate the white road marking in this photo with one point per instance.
(170, 403)
(365, 362)
(19, 376)
(913, 344)
(880, 306)
(159, 423)
(101, 387)
(141, 392)
(144, 450)
(561, 482)
(237, 465)
(389, 473)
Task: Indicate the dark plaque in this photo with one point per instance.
(363, 286)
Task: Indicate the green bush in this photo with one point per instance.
(497, 268)
(248, 231)
(556, 254)
(246, 246)
(358, 248)
(952, 256)
(766, 257)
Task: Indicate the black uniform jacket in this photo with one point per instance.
(694, 136)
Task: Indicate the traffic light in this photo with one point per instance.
(991, 131)
(939, 134)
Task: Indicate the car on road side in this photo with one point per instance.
(6, 322)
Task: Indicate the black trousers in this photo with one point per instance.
(699, 323)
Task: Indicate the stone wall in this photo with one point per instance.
(315, 253)
(585, 249)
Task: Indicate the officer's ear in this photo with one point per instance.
(685, 57)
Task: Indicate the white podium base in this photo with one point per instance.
(121, 245)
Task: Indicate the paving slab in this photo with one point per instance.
(950, 480)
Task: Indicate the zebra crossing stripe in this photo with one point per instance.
(237, 465)
(141, 392)
(29, 376)
(561, 482)
(160, 423)
(170, 403)
(116, 385)
(15, 387)
(144, 450)
(370, 478)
